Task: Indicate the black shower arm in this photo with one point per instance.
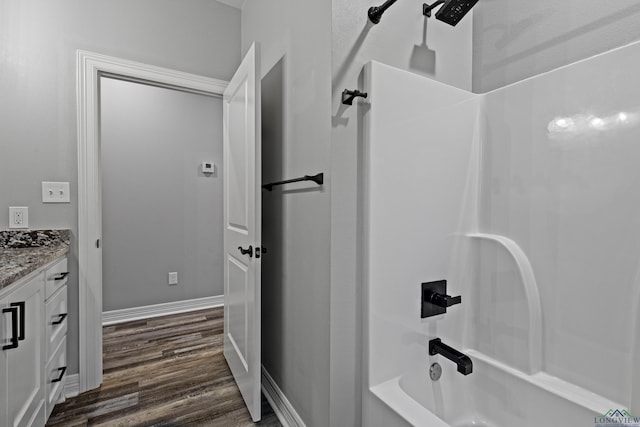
(375, 12)
(426, 9)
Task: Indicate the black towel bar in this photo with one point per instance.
(318, 179)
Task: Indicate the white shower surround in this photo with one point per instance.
(525, 199)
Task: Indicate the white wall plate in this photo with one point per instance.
(55, 192)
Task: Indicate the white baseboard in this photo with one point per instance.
(136, 313)
(285, 412)
(71, 386)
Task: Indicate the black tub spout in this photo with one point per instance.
(464, 363)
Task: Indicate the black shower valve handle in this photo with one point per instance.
(435, 300)
(445, 300)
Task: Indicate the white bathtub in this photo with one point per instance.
(494, 395)
(473, 189)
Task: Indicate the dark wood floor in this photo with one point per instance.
(167, 371)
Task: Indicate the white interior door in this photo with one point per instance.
(242, 228)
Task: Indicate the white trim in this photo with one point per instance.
(156, 310)
(90, 66)
(284, 410)
(71, 386)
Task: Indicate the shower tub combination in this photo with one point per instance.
(525, 201)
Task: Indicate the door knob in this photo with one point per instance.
(248, 251)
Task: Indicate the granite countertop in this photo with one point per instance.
(22, 252)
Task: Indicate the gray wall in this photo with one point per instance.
(38, 41)
(160, 213)
(296, 43)
(513, 40)
(398, 40)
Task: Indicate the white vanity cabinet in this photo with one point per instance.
(29, 326)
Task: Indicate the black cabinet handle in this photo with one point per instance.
(248, 251)
(22, 310)
(14, 327)
(61, 276)
(61, 318)
(62, 371)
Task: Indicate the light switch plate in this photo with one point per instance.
(55, 192)
(18, 217)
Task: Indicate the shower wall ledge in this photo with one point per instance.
(530, 286)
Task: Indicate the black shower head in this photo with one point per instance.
(451, 12)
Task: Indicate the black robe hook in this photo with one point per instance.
(349, 95)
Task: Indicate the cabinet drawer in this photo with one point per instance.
(56, 320)
(55, 377)
(56, 277)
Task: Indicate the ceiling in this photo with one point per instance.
(233, 3)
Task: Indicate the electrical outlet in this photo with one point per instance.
(18, 217)
(173, 278)
(55, 192)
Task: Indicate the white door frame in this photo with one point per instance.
(90, 67)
